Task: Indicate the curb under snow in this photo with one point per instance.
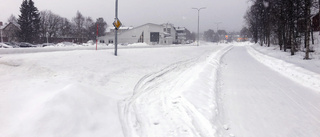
(300, 75)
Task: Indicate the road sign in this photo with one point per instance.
(117, 24)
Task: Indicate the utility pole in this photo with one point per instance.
(198, 22)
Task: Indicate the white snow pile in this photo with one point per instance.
(292, 71)
(176, 101)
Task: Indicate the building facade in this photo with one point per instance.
(9, 32)
(181, 35)
(149, 33)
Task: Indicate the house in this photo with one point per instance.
(170, 33)
(148, 33)
(181, 35)
(9, 32)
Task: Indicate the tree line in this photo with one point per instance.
(283, 22)
(36, 26)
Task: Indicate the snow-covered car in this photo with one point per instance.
(46, 44)
(13, 44)
(3, 45)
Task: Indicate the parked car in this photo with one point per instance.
(13, 44)
(3, 45)
(25, 45)
(47, 44)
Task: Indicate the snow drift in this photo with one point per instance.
(292, 71)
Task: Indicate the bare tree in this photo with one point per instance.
(50, 24)
(79, 21)
(66, 29)
(288, 20)
(13, 19)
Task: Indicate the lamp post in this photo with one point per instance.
(198, 22)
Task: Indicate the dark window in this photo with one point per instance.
(154, 37)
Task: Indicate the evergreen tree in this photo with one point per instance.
(29, 22)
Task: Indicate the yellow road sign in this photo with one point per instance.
(117, 24)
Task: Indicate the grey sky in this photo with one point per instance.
(139, 12)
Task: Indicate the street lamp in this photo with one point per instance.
(198, 21)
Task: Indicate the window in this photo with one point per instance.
(169, 30)
(154, 37)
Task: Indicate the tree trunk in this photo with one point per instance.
(307, 22)
(312, 39)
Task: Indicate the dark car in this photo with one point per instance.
(25, 45)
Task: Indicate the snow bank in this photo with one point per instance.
(300, 75)
(176, 101)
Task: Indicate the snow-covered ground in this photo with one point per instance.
(155, 91)
(312, 65)
(76, 93)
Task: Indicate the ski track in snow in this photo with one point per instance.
(300, 75)
(162, 104)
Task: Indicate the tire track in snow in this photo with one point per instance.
(158, 107)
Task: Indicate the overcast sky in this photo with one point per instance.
(138, 12)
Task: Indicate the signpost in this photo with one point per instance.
(117, 24)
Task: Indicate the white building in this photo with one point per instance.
(181, 35)
(170, 33)
(148, 33)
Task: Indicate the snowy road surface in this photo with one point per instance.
(256, 101)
